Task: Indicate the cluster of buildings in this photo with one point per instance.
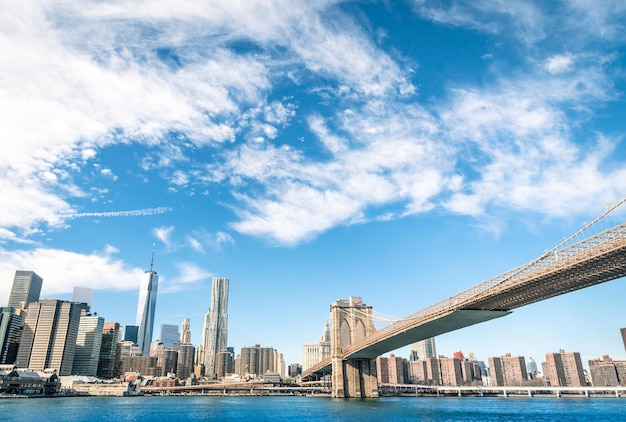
(425, 367)
(45, 337)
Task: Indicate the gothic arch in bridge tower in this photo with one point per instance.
(351, 321)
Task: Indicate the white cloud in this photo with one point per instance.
(163, 233)
(559, 63)
(63, 270)
(188, 273)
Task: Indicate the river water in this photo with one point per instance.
(201, 408)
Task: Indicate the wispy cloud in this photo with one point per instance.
(188, 273)
(131, 213)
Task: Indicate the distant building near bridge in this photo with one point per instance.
(607, 372)
(564, 369)
(313, 353)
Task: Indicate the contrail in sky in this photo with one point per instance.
(130, 213)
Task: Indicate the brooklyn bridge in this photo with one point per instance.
(593, 255)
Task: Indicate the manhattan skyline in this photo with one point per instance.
(311, 151)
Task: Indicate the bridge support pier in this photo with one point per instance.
(351, 321)
(354, 378)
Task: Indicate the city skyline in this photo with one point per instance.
(311, 151)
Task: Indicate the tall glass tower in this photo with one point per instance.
(215, 334)
(146, 308)
(26, 288)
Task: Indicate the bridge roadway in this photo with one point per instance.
(594, 260)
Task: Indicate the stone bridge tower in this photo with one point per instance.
(350, 321)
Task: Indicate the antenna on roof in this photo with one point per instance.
(152, 261)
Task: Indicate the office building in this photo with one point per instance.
(83, 295)
(26, 289)
(88, 342)
(49, 336)
(169, 335)
(215, 333)
(146, 308)
(10, 333)
(564, 369)
(146, 365)
(423, 349)
(313, 353)
(110, 351)
(130, 333)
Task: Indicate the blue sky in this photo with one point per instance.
(309, 151)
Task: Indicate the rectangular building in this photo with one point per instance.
(26, 289)
(49, 336)
(88, 342)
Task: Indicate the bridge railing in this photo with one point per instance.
(556, 258)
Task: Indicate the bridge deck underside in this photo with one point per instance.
(452, 321)
(596, 269)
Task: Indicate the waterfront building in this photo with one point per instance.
(564, 369)
(607, 372)
(146, 308)
(215, 333)
(110, 351)
(49, 336)
(417, 372)
(256, 360)
(507, 371)
(88, 342)
(382, 369)
(169, 335)
(224, 363)
(423, 349)
(433, 371)
(398, 369)
(10, 333)
(184, 366)
(26, 289)
(451, 371)
(313, 353)
(623, 332)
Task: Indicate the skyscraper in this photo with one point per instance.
(88, 342)
(623, 332)
(169, 335)
(83, 295)
(110, 351)
(49, 336)
(146, 308)
(26, 288)
(9, 334)
(185, 337)
(215, 333)
(423, 349)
